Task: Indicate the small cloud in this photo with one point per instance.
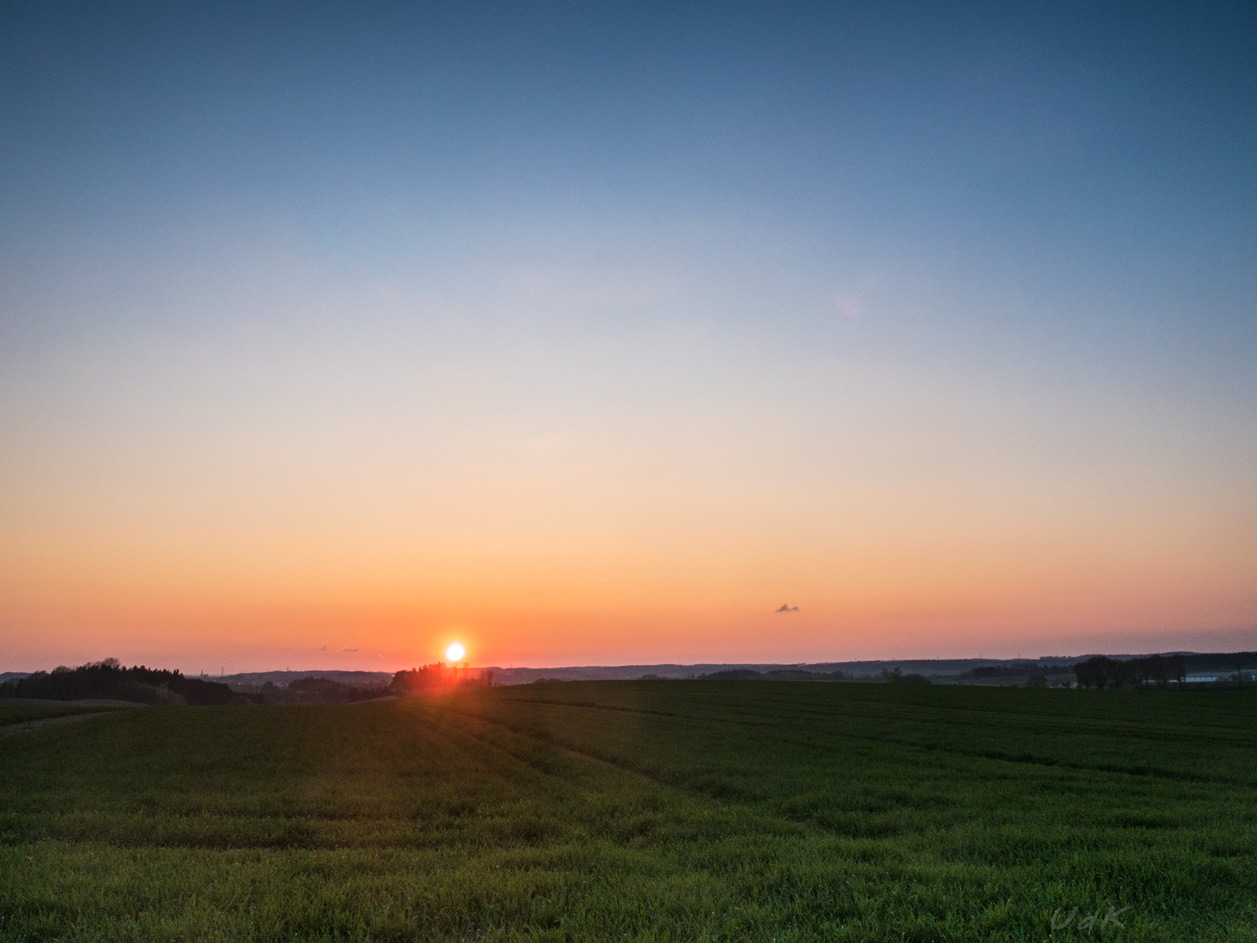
(323, 649)
(350, 650)
(786, 607)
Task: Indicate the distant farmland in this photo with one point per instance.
(642, 810)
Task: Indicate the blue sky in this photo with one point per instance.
(1093, 165)
(986, 266)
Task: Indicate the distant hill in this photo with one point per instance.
(960, 670)
(852, 669)
(1217, 661)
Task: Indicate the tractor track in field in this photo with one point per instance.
(1226, 736)
(762, 810)
(25, 726)
(532, 735)
(584, 754)
(691, 793)
(1027, 759)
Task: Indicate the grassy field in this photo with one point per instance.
(642, 810)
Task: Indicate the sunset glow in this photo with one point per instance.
(594, 338)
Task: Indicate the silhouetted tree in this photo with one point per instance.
(1091, 673)
(433, 677)
(108, 679)
(1178, 668)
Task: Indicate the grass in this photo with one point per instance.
(641, 810)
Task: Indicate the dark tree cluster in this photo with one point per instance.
(437, 676)
(1015, 670)
(1103, 672)
(108, 679)
(896, 676)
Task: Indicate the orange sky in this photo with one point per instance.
(543, 565)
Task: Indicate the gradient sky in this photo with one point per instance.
(594, 332)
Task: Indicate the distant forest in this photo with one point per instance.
(429, 678)
(1102, 672)
(108, 679)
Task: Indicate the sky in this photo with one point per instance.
(595, 333)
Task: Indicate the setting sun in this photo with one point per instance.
(455, 652)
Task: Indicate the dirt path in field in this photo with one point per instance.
(22, 726)
(76, 702)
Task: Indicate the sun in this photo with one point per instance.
(455, 652)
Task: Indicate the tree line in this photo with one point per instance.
(1101, 671)
(108, 679)
(437, 677)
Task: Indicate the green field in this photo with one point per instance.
(642, 810)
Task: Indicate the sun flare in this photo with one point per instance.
(455, 652)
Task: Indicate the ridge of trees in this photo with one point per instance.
(776, 674)
(1101, 671)
(437, 676)
(109, 679)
